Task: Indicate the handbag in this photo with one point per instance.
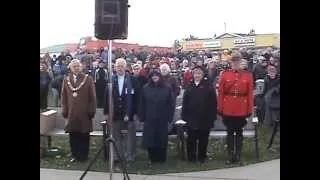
(172, 128)
(274, 102)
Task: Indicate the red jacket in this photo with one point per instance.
(235, 93)
(187, 78)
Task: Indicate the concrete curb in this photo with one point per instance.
(269, 170)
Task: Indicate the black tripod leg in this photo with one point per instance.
(91, 163)
(273, 134)
(105, 145)
(124, 168)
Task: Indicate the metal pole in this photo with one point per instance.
(110, 118)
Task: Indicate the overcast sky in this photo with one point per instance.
(160, 22)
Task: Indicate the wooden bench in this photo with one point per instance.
(219, 131)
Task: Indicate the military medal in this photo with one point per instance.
(75, 94)
(74, 90)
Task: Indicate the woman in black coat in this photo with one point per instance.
(271, 93)
(199, 110)
(155, 109)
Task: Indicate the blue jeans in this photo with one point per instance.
(55, 97)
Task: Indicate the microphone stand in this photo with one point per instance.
(109, 141)
(110, 118)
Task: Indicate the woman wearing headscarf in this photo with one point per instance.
(155, 110)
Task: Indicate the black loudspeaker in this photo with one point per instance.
(111, 19)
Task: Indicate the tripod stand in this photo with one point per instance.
(107, 141)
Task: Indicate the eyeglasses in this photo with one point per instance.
(120, 66)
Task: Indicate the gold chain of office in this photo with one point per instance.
(75, 89)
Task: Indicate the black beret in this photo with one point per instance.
(199, 67)
(155, 72)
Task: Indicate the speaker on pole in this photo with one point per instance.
(111, 19)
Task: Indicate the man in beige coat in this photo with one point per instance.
(78, 103)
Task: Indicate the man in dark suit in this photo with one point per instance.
(100, 79)
(124, 130)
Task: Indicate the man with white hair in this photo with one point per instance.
(171, 82)
(78, 101)
(185, 64)
(124, 130)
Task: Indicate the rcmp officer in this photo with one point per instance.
(235, 104)
(123, 92)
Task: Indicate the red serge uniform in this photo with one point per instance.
(235, 93)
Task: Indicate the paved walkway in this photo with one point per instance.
(262, 171)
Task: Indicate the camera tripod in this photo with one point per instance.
(107, 141)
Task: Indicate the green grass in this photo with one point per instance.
(216, 158)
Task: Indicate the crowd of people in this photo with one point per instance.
(145, 88)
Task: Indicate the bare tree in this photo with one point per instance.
(191, 37)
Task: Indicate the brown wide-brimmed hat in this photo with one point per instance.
(236, 56)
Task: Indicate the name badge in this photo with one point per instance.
(132, 91)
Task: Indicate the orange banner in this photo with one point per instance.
(193, 45)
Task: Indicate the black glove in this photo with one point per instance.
(91, 115)
(219, 113)
(65, 115)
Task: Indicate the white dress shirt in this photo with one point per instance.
(74, 79)
(197, 83)
(120, 83)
